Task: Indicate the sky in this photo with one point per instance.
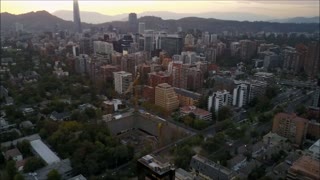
(272, 8)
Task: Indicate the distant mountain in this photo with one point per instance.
(95, 18)
(35, 21)
(315, 19)
(90, 17)
(44, 21)
(216, 25)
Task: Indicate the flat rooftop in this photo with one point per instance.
(44, 152)
(156, 163)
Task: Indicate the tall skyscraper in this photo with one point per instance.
(76, 17)
(133, 22)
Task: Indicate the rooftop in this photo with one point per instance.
(194, 110)
(12, 153)
(44, 152)
(212, 165)
(307, 166)
(156, 163)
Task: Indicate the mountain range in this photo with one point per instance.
(44, 21)
(96, 18)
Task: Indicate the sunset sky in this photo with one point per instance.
(274, 8)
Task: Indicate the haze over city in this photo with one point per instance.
(272, 9)
(166, 90)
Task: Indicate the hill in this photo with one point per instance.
(34, 21)
(44, 21)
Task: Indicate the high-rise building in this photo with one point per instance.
(211, 55)
(206, 38)
(149, 41)
(76, 17)
(247, 49)
(312, 64)
(86, 45)
(234, 48)
(189, 40)
(240, 95)
(172, 44)
(292, 60)
(156, 78)
(166, 97)
(101, 47)
(133, 22)
(219, 99)
(290, 126)
(142, 27)
(122, 81)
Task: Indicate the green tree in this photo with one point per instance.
(24, 147)
(18, 177)
(11, 169)
(32, 164)
(53, 175)
(224, 113)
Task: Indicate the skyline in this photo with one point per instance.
(274, 9)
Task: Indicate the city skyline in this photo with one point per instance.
(276, 9)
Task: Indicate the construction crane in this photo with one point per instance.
(133, 86)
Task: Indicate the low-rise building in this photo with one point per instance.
(154, 167)
(15, 154)
(208, 169)
(187, 98)
(304, 168)
(314, 150)
(199, 113)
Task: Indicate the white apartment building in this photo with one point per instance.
(122, 81)
(219, 99)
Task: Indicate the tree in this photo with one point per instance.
(33, 164)
(24, 147)
(224, 113)
(18, 177)
(11, 169)
(53, 175)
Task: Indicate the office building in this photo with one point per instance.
(86, 45)
(133, 22)
(172, 44)
(76, 17)
(142, 27)
(122, 81)
(304, 168)
(208, 169)
(290, 126)
(166, 97)
(154, 167)
(219, 99)
(149, 40)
